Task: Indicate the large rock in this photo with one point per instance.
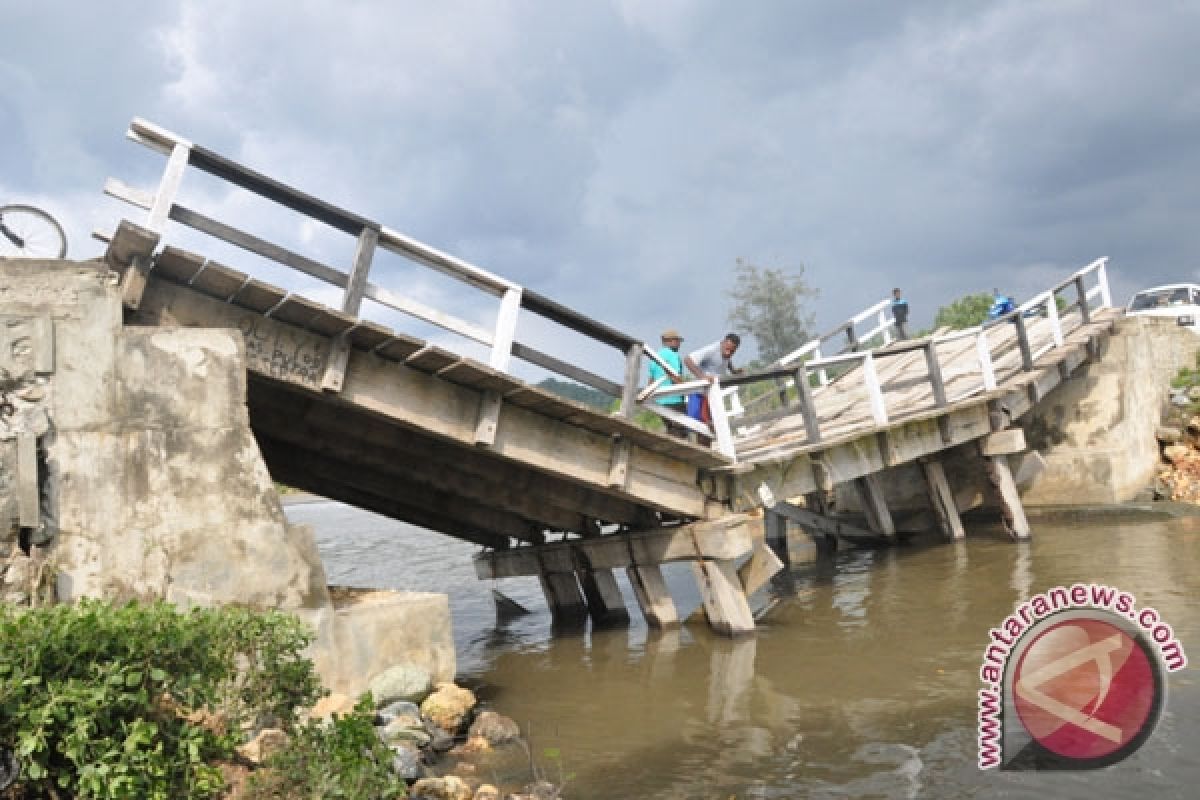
(404, 730)
(448, 706)
(496, 729)
(407, 682)
(406, 761)
(450, 787)
(487, 792)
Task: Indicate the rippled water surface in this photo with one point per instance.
(861, 681)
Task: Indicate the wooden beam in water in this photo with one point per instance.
(652, 595)
(941, 499)
(728, 538)
(725, 602)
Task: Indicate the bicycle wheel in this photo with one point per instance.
(28, 232)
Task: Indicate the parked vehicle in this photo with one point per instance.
(1178, 300)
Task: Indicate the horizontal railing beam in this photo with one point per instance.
(546, 361)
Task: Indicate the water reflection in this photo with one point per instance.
(860, 682)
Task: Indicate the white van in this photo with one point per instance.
(1178, 300)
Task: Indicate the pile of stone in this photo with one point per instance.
(431, 727)
(1178, 477)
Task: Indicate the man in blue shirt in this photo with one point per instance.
(669, 353)
(900, 314)
(1001, 305)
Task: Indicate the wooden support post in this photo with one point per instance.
(808, 409)
(1023, 342)
(618, 470)
(941, 499)
(1084, 314)
(874, 503)
(935, 374)
(817, 503)
(1102, 282)
(489, 418)
(775, 535)
(1000, 475)
(652, 595)
(506, 329)
(720, 422)
(874, 391)
(725, 603)
(633, 371)
(1055, 321)
(130, 252)
(763, 565)
(168, 187)
(356, 285)
(566, 601)
(984, 351)
(605, 604)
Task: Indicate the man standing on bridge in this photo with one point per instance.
(900, 313)
(707, 364)
(669, 353)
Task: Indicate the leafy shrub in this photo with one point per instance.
(340, 759)
(139, 701)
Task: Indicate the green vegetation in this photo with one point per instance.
(345, 759)
(578, 392)
(768, 304)
(145, 701)
(965, 312)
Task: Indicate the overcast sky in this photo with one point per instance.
(619, 156)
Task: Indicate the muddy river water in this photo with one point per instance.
(861, 682)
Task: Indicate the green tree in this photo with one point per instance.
(768, 304)
(965, 312)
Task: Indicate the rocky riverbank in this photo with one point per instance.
(1178, 478)
(442, 741)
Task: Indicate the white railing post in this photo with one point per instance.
(874, 391)
(822, 376)
(506, 329)
(1055, 321)
(885, 326)
(985, 360)
(168, 187)
(1102, 280)
(722, 434)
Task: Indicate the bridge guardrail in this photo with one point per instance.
(1043, 306)
(161, 207)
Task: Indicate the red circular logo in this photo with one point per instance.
(1087, 690)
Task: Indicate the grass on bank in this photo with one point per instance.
(146, 701)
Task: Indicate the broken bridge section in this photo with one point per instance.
(355, 410)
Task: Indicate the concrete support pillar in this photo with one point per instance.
(604, 601)
(564, 598)
(874, 503)
(651, 591)
(941, 499)
(725, 603)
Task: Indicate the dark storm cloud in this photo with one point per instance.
(620, 156)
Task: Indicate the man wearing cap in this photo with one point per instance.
(669, 353)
